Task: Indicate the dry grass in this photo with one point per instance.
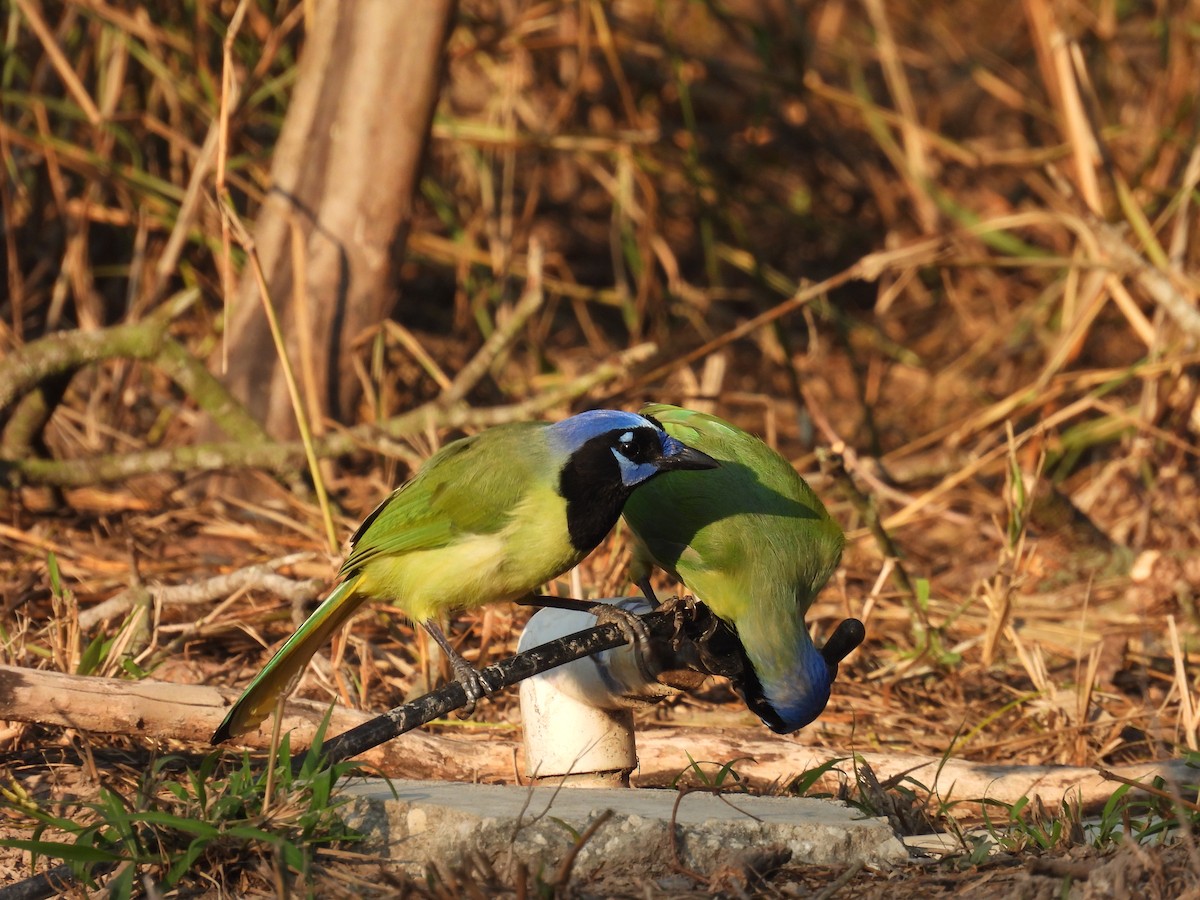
(955, 242)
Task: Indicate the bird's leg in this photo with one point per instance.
(717, 646)
(542, 601)
(648, 591)
(471, 679)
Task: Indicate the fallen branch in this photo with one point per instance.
(284, 458)
(261, 576)
(190, 712)
(62, 354)
(157, 711)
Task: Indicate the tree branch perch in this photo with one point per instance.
(282, 459)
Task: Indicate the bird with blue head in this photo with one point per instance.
(754, 543)
(488, 518)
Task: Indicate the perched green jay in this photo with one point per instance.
(753, 542)
(486, 519)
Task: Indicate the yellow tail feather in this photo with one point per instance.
(279, 676)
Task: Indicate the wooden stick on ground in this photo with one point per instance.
(162, 711)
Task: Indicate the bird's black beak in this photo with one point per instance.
(677, 455)
(848, 635)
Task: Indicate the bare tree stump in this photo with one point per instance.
(343, 176)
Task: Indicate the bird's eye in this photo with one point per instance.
(633, 447)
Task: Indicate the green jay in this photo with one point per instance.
(486, 519)
(754, 543)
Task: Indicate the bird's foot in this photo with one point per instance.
(474, 684)
(632, 627)
(686, 614)
(717, 648)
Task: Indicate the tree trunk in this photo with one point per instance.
(343, 177)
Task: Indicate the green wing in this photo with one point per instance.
(750, 539)
(756, 507)
(456, 492)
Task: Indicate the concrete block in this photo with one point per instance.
(426, 821)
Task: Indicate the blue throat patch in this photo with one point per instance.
(802, 698)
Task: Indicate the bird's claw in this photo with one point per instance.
(676, 607)
(474, 684)
(686, 611)
(632, 626)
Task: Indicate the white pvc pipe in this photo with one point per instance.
(578, 717)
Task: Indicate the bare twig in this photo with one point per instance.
(1109, 775)
(917, 172)
(168, 260)
(840, 882)
(500, 339)
(865, 268)
(282, 458)
(58, 59)
(1179, 234)
(564, 870)
(262, 576)
(220, 128)
(1162, 286)
(832, 465)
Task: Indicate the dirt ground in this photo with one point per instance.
(942, 257)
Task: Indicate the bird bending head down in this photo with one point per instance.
(755, 544)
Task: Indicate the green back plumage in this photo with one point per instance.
(456, 492)
(750, 539)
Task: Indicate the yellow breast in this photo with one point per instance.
(477, 569)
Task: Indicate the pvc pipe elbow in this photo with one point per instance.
(577, 718)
